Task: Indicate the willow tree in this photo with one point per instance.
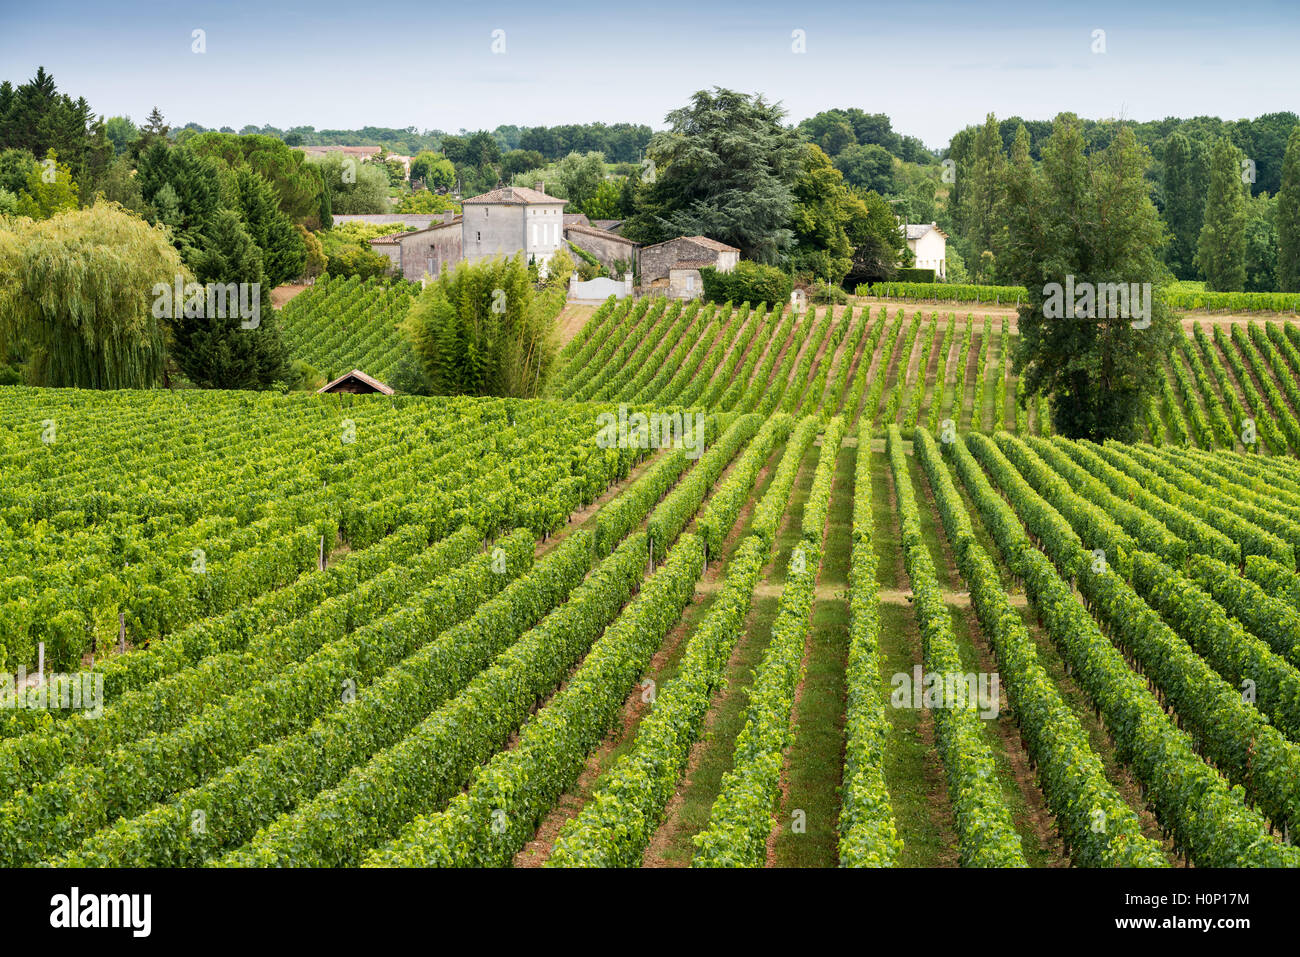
(76, 297)
(482, 329)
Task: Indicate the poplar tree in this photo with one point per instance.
(1288, 218)
(1221, 249)
(981, 178)
(1184, 196)
(1090, 217)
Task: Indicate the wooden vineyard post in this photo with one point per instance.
(121, 631)
(320, 563)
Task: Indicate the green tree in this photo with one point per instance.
(121, 186)
(1087, 219)
(314, 263)
(605, 202)
(1184, 201)
(222, 348)
(195, 182)
(1288, 218)
(878, 244)
(49, 189)
(77, 291)
(820, 219)
(1221, 249)
(725, 168)
(433, 170)
(15, 164)
(353, 186)
(1261, 244)
(297, 182)
(980, 180)
(578, 177)
(480, 329)
(426, 201)
(868, 167)
(121, 132)
(230, 254)
(283, 253)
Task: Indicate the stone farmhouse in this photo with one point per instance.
(929, 244)
(614, 252)
(511, 220)
(425, 250)
(673, 267)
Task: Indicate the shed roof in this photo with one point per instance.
(358, 376)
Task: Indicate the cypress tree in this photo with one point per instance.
(283, 253)
(218, 352)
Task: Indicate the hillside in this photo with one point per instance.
(916, 364)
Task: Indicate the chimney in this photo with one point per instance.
(448, 216)
(540, 186)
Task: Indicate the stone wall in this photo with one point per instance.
(428, 251)
(608, 249)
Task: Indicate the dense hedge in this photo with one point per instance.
(748, 282)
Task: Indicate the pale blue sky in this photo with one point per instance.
(934, 67)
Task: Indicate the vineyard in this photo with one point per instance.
(339, 325)
(877, 615)
(1234, 389)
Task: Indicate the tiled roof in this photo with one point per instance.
(513, 196)
(704, 241)
(392, 239)
(708, 243)
(917, 230)
(360, 377)
(601, 233)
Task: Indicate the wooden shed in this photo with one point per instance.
(355, 382)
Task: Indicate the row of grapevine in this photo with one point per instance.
(1173, 296)
(1231, 732)
(741, 818)
(340, 324)
(628, 801)
(868, 833)
(422, 771)
(1071, 774)
(274, 778)
(1208, 818)
(985, 829)
(80, 799)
